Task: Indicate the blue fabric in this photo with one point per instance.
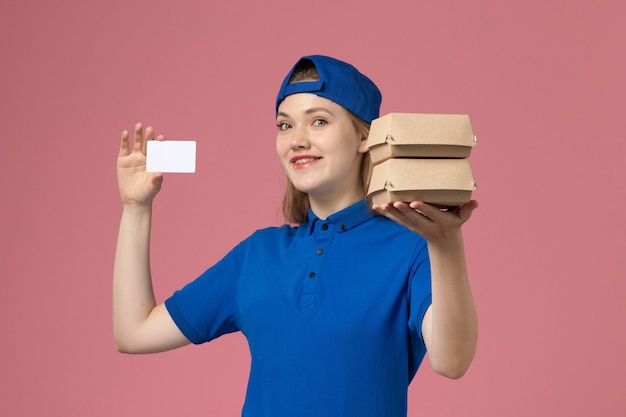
(331, 309)
(339, 82)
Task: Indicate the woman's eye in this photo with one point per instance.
(319, 122)
(283, 126)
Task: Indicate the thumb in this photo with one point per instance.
(157, 180)
(466, 210)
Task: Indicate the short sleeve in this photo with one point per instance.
(420, 298)
(205, 308)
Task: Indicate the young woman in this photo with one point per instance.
(340, 305)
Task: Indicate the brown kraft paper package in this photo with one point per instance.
(421, 157)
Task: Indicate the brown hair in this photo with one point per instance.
(295, 205)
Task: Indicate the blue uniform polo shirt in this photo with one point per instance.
(331, 309)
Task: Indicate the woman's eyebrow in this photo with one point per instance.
(308, 111)
(317, 109)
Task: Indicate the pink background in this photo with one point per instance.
(543, 82)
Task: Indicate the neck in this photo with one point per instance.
(326, 206)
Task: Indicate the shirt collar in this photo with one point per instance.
(345, 219)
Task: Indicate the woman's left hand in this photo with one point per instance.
(435, 225)
(450, 325)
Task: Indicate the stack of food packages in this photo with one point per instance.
(421, 157)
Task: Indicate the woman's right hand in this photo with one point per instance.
(137, 187)
(139, 324)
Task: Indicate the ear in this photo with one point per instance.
(363, 148)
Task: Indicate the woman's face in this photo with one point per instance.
(320, 148)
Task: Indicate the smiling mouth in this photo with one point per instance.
(303, 161)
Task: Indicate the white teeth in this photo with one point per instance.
(304, 161)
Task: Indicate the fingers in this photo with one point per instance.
(418, 212)
(410, 213)
(417, 217)
(424, 208)
(124, 144)
(434, 224)
(148, 136)
(388, 211)
(403, 214)
(140, 140)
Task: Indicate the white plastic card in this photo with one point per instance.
(171, 156)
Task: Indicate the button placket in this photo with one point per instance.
(322, 236)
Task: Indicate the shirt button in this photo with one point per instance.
(343, 227)
(311, 274)
(319, 251)
(324, 227)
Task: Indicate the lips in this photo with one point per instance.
(302, 160)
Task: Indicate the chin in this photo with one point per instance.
(305, 186)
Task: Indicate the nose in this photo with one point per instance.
(299, 138)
